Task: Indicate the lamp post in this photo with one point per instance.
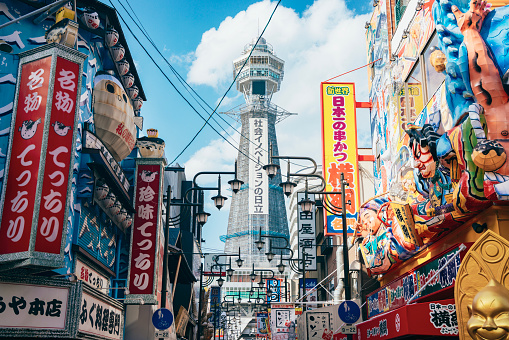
(307, 205)
(201, 219)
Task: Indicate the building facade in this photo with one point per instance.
(437, 77)
(78, 184)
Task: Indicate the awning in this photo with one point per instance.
(185, 272)
(437, 318)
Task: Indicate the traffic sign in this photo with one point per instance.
(162, 319)
(349, 311)
(348, 329)
(162, 334)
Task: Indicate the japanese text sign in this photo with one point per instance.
(398, 292)
(100, 318)
(40, 157)
(33, 306)
(91, 276)
(436, 318)
(274, 286)
(307, 234)
(144, 240)
(339, 136)
(258, 179)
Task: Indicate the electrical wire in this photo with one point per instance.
(176, 89)
(188, 88)
(234, 80)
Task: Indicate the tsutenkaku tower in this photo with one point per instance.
(260, 202)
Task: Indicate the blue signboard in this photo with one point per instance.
(275, 290)
(162, 319)
(349, 312)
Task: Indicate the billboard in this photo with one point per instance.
(258, 179)
(145, 231)
(339, 137)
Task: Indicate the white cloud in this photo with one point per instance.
(327, 40)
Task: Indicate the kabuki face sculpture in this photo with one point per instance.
(424, 160)
(489, 313)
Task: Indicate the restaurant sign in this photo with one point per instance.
(100, 315)
(398, 293)
(40, 157)
(144, 254)
(31, 307)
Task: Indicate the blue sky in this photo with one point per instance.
(317, 39)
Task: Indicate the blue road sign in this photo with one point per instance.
(349, 312)
(162, 319)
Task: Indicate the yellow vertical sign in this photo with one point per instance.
(339, 142)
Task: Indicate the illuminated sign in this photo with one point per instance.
(339, 137)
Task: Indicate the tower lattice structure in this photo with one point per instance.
(259, 77)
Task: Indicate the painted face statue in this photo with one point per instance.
(370, 222)
(424, 160)
(489, 313)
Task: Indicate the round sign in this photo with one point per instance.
(162, 319)
(349, 312)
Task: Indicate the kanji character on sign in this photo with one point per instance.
(64, 102)
(53, 308)
(146, 212)
(147, 194)
(66, 80)
(36, 307)
(36, 79)
(32, 102)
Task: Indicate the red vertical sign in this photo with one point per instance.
(58, 158)
(144, 236)
(25, 157)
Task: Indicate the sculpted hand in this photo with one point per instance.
(472, 19)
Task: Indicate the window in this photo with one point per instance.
(418, 90)
(433, 78)
(413, 92)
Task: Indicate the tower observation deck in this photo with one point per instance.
(260, 202)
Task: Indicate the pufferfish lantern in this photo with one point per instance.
(118, 52)
(114, 116)
(151, 146)
(133, 92)
(123, 67)
(91, 18)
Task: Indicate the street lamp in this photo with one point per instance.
(260, 243)
(220, 281)
(270, 254)
(230, 271)
(239, 261)
(235, 183)
(219, 199)
(287, 187)
(281, 266)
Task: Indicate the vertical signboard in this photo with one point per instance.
(282, 321)
(273, 290)
(339, 137)
(215, 303)
(53, 205)
(307, 234)
(143, 275)
(40, 157)
(258, 179)
(262, 324)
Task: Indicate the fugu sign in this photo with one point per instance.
(40, 157)
(146, 228)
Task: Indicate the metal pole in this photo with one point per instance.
(304, 279)
(164, 290)
(200, 303)
(28, 15)
(286, 288)
(346, 263)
